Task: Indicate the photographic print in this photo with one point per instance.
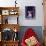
(5, 12)
(30, 12)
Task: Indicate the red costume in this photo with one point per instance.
(29, 33)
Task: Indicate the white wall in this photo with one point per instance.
(38, 21)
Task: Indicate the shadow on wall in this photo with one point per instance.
(37, 29)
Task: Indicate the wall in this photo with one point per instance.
(38, 21)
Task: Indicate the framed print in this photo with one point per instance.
(13, 12)
(5, 12)
(30, 12)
